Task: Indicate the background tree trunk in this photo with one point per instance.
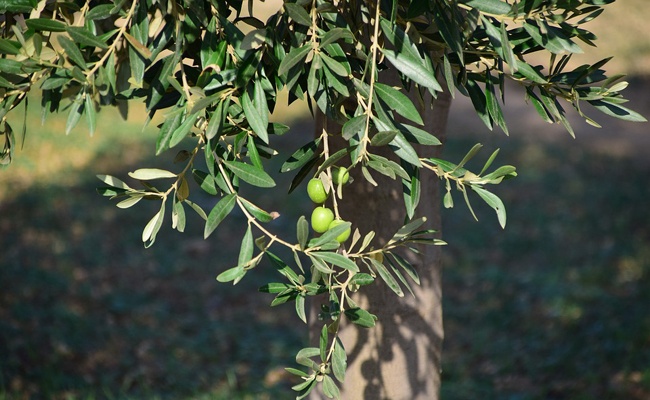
(399, 359)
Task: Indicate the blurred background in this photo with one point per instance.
(556, 306)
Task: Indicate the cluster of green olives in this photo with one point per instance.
(322, 218)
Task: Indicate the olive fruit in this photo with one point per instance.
(340, 175)
(343, 236)
(316, 191)
(321, 219)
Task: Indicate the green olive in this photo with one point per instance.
(321, 218)
(316, 191)
(341, 175)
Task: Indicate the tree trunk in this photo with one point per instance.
(398, 359)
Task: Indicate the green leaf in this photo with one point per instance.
(247, 247)
(304, 356)
(339, 360)
(219, 213)
(274, 288)
(413, 69)
(182, 131)
(294, 57)
(146, 174)
(76, 109)
(493, 201)
(153, 226)
(398, 102)
(178, 216)
(45, 24)
(406, 266)
(91, 115)
(404, 150)
(479, 102)
(99, 12)
(334, 35)
(383, 138)
(360, 317)
(84, 37)
(283, 268)
(329, 388)
(362, 279)
(257, 121)
(354, 126)
(72, 51)
(387, 277)
(171, 124)
(257, 212)
(250, 174)
(113, 181)
(302, 229)
(470, 154)
(130, 202)
(334, 65)
(417, 135)
(495, 7)
(9, 46)
(300, 307)
(323, 343)
(527, 71)
(331, 234)
(298, 14)
(336, 259)
(301, 156)
(205, 181)
(232, 274)
(617, 111)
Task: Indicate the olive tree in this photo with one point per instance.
(378, 77)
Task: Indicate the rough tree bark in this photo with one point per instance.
(399, 359)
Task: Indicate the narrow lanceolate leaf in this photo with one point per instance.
(493, 201)
(337, 259)
(295, 56)
(91, 115)
(300, 308)
(334, 35)
(233, 274)
(76, 109)
(527, 71)
(398, 102)
(339, 360)
(257, 212)
(360, 317)
(113, 181)
(219, 213)
(250, 174)
(145, 174)
(301, 156)
(298, 14)
(84, 37)
(496, 7)
(404, 150)
(153, 226)
(387, 277)
(302, 231)
(45, 24)
(139, 47)
(257, 121)
(617, 111)
(247, 247)
(329, 388)
(413, 69)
